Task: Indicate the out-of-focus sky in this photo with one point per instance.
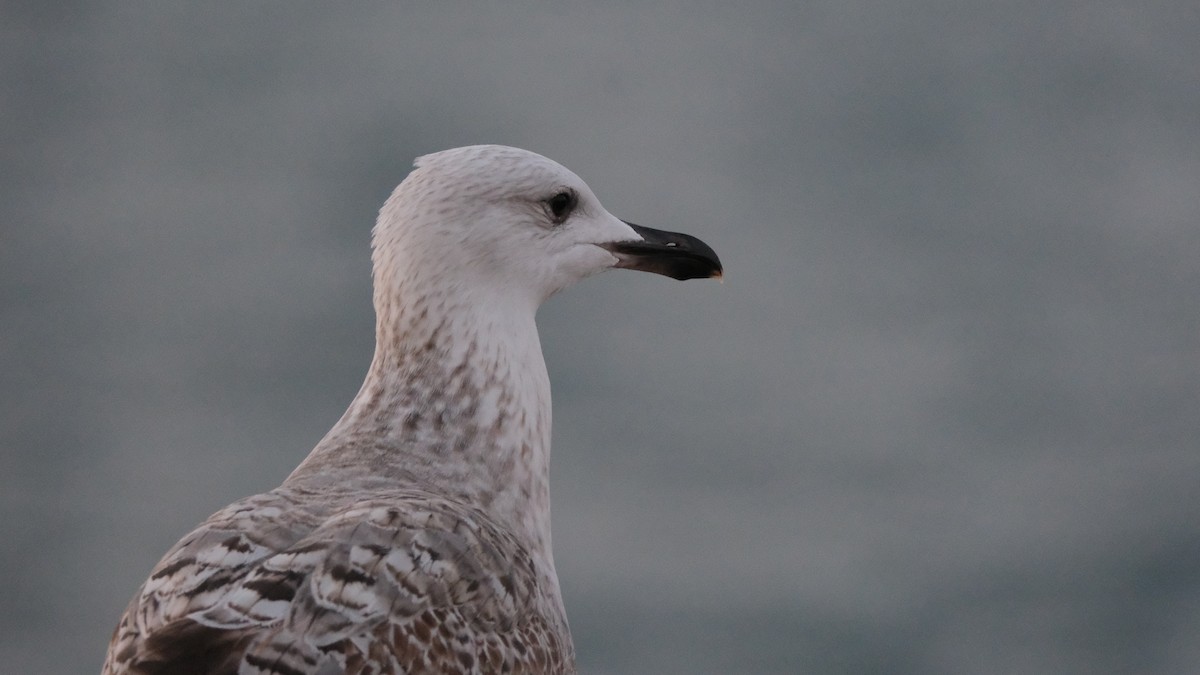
(943, 416)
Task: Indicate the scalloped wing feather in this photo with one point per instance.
(285, 584)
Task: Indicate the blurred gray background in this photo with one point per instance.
(943, 416)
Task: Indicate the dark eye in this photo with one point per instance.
(561, 205)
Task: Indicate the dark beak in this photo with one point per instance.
(679, 256)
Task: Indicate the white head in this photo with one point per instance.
(509, 221)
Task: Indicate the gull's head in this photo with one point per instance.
(494, 220)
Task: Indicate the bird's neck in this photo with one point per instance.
(457, 400)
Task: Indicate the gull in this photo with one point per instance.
(415, 537)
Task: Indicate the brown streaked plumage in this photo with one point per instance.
(415, 538)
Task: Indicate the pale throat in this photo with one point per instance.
(457, 400)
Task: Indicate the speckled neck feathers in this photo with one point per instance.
(457, 399)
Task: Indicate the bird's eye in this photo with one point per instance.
(561, 205)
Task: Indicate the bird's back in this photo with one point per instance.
(371, 578)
